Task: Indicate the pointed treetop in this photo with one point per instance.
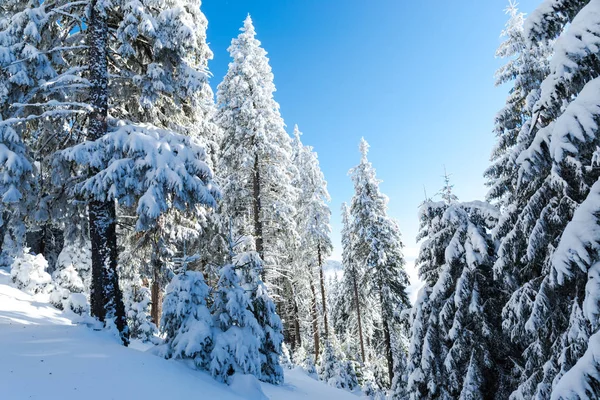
(446, 192)
(512, 8)
(364, 149)
(248, 26)
(345, 211)
(297, 132)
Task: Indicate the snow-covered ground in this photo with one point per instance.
(44, 355)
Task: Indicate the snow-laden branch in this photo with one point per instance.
(139, 163)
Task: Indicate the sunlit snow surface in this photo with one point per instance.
(43, 355)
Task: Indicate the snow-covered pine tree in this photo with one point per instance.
(237, 341)
(377, 247)
(72, 275)
(515, 127)
(314, 246)
(28, 272)
(28, 35)
(254, 164)
(137, 300)
(161, 65)
(374, 380)
(334, 369)
(263, 308)
(352, 290)
(525, 69)
(398, 385)
(456, 346)
(186, 320)
(328, 364)
(557, 177)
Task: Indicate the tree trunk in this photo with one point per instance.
(315, 321)
(298, 339)
(323, 298)
(360, 333)
(388, 349)
(3, 231)
(106, 296)
(258, 228)
(155, 292)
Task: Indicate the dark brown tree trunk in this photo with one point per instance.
(315, 321)
(258, 228)
(360, 332)
(155, 311)
(323, 297)
(106, 296)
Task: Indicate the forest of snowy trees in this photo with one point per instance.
(132, 194)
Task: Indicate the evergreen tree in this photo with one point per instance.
(525, 69)
(556, 177)
(314, 246)
(254, 163)
(186, 320)
(157, 89)
(264, 312)
(28, 272)
(352, 290)
(456, 345)
(328, 364)
(72, 275)
(377, 247)
(239, 337)
(137, 300)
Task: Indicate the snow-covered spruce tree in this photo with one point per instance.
(515, 127)
(398, 385)
(255, 169)
(28, 272)
(151, 253)
(334, 369)
(40, 82)
(186, 320)
(377, 247)
(456, 346)
(557, 175)
(263, 308)
(72, 275)
(525, 69)
(353, 290)
(328, 365)
(314, 246)
(137, 299)
(374, 382)
(239, 336)
(25, 34)
(161, 64)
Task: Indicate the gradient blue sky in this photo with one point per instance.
(415, 78)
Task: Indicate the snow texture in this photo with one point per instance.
(41, 344)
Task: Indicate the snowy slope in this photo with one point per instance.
(43, 355)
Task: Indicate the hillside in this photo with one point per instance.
(46, 356)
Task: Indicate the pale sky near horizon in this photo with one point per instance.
(415, 78)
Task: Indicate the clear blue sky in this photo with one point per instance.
(415, 78)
